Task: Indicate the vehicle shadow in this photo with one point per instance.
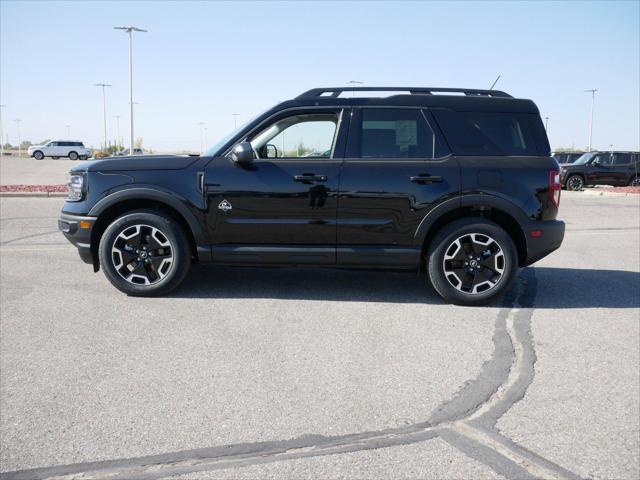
(557, 288)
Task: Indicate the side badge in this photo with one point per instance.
(224, 206)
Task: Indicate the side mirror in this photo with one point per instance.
(271, 151)
(243, 154)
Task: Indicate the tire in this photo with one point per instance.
(38, 155)
(163, 264)
(634, 182)
(575, 183)
(488, 272)
(73, 156)
(82, 157)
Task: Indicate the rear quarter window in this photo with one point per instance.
(493, 133)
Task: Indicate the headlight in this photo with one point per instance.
(76, 188)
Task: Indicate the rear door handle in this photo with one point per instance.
(425, 178)
(309, 178)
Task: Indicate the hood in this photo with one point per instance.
(133, 163)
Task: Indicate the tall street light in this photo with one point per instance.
(353, 83)
(17, 120)
(1, 133)
(593, 101)
(130, 31)
(546, 123)
(201, 137)
(117, 117)
(104, 110)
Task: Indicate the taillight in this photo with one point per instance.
(555, 187)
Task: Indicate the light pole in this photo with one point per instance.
(17, 120)
(201, 137)
(593, 101)
(130, 31)
(117, 117)
(546, 124)
(104, 110)
(352, 83)
(1, 133)
(235, 120)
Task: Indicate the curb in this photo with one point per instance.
(600, 193)
(32, 194)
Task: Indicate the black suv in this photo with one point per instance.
(457, 183)
(602, 168)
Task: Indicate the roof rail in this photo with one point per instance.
(334, 92)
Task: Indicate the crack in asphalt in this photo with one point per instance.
(467, 421)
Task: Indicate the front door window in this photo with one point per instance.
(310, 136)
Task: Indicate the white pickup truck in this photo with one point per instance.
(60, 148)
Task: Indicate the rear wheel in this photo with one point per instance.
(145, 254)
(471, 261)
(575, 183)
(38, 155)
(73, 156)
(634, 182)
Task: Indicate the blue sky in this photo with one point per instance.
(204, 61)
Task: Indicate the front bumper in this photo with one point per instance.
(77, 229)
(552, 234)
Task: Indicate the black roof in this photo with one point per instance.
(467, 99)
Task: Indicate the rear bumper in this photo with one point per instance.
(79, 235)
(550, 239)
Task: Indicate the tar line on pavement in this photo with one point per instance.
(467, 422)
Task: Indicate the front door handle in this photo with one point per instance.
(309, 178)
(425, 178)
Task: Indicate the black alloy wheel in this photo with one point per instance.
(575, 183)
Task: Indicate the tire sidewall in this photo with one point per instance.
(569, 187)
(443, 240)
(38, 152)
(73, 156)
(169, 228)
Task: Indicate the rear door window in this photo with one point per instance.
(622, 159)
(394, 133)
(493, 133)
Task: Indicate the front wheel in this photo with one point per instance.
(575, 183)
(145, 253)
(38, 155)
(471, 261)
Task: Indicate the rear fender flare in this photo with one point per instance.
(465, 201)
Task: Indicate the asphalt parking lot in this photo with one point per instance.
(260, 373)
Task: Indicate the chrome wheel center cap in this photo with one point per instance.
(473, 263)
(143, 254)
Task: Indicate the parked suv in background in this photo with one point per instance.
(566, 157)
(602, 168)
(60, 148)
(462, 187)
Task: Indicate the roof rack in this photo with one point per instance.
(334, 92)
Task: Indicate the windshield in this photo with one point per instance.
(584, 158)
(214, 150)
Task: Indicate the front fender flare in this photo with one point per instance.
(178, 203)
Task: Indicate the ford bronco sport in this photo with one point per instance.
(457, 183)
